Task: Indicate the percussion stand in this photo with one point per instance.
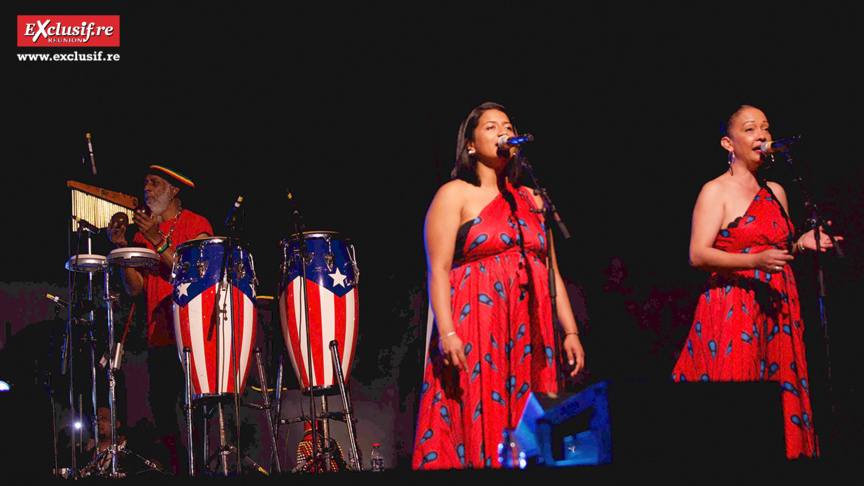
(346, 404)
(267, 406)
(114, 356)
(549, 208)
(80, 265)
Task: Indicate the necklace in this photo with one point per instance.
(167, 237)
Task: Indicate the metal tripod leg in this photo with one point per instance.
(266, 395)
(187, 366)
(346, 403)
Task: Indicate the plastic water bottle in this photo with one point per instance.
(376, 459)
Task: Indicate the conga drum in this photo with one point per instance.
(318, 300)
(217, 321)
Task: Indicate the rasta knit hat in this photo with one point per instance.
(173, 177)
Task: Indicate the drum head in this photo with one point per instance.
(203, 240)
(86, 263)
(312, 234)
(133, 257)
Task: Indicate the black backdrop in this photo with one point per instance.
(354, 110)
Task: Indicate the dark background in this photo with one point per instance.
(354, 110)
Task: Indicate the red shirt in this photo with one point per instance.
(160, 306)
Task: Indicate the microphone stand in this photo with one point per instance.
(229, 274)
(299, 228)
(549, 208)
(816, 221)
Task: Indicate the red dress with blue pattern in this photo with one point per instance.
(502, 313)
(748, 325)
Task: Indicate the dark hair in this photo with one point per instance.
(725, 127)
(466, 165)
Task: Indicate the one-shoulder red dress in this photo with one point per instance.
(502, 313)
(748, 324)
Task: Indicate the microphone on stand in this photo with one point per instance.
(506, 142)
(295, 212)
(83, 223)
(92, 161)
(57, 300)
(231, 220)
(772, 146)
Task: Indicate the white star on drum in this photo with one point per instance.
(338, 278)
(181, 290)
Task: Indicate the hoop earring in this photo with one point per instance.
(730, 159)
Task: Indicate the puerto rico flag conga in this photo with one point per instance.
(333, 308)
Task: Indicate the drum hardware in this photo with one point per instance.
(83, 313)
(346, 405)
(240, 270)
(328, 259)
(213, 404)
(113, 363)
(202, 267)
(267, 406)
(187, 370)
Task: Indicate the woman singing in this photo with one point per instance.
(748, 325)
(493, 341)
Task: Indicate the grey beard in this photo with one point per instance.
(159, 205)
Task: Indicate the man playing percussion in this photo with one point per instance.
(163, 223)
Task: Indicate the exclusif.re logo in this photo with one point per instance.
(68, 30)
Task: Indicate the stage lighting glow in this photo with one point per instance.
(4, 387)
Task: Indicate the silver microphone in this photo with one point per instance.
(92, 160)
(772, 146)
(506, 142)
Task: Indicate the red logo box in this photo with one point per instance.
(68, 30)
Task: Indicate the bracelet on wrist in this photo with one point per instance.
(450, 333)
(573, 333)
(801, 244)
(164, 246)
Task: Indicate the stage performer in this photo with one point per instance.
(163, 224)
(748, 324)
(493, 340)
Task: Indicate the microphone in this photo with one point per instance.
(57, 300)
(232, 215)
(778, 145)
(506, 142)
(92, 161)
(82, 223)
